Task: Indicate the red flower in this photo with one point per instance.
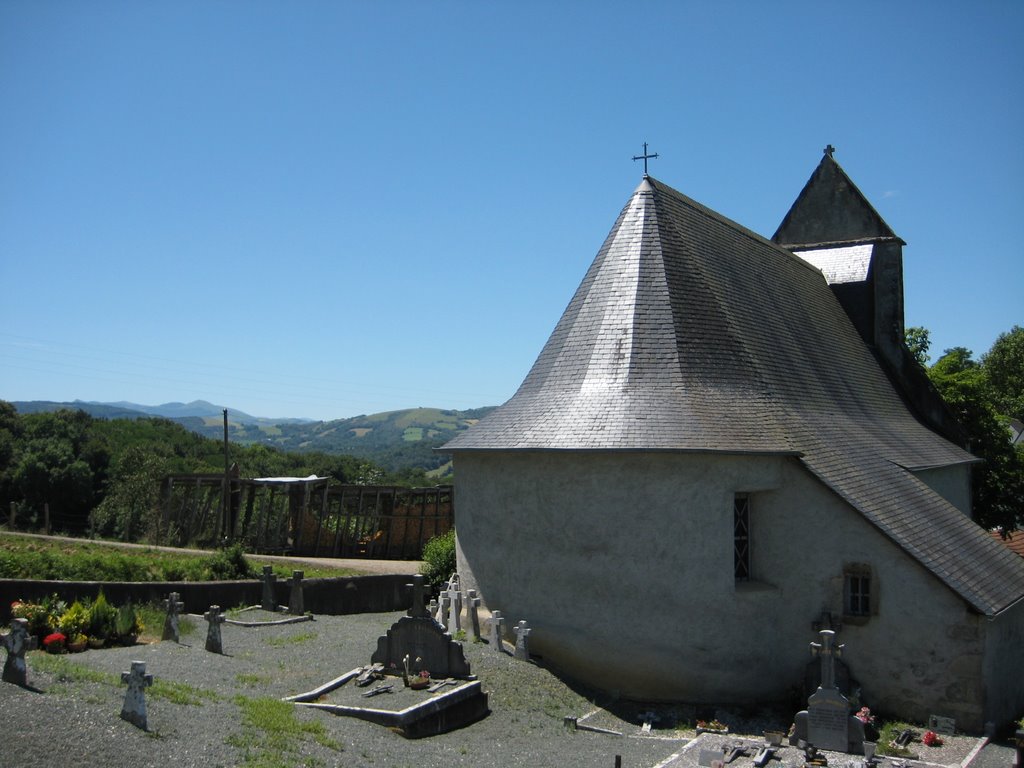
(931, 739)
(57, 638)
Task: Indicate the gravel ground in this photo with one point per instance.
(201, 718)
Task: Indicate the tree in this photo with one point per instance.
(918, 341)
(998, 483)
(1004, 366)
(133, 497)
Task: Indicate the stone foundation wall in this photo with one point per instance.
(331, 597)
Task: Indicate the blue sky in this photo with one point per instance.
(323, 209)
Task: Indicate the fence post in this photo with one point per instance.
(46, 517)
(14, 515)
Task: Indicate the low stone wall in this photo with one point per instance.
(331, 597)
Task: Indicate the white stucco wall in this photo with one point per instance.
(952, 483)
(623, 564)
(1004, 665)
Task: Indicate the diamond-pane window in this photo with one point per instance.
(741, 536)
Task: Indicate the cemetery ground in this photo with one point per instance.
(207, 709)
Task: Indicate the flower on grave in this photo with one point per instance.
(54, 643)
(865, 716)
(931, 739)
(425, 674)
(713, 725)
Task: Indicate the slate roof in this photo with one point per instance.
(691, 333)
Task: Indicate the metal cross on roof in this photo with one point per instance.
(829, 150)
(645, 157)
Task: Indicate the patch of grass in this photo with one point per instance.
(271, 732)
(63, 670)
(278, 642)
(887, 733)
(66, 671)
(180, 693)
(251, 680)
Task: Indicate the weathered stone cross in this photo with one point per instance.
(16, 642)
(828, 652)
(418, 610)
(496, 622)
(296, 605)
(829, 150)
(269, 598)
(645, 157)
(522, 631)
(214, 618)
(173, 605)
(134, 709)
(472, 607)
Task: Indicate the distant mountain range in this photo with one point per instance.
(394, 439)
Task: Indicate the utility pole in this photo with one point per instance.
(225, 496)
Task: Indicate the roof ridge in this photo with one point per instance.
(726, 221)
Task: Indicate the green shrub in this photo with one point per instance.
(102, 618)
(228, 564)
(127, 624)
(439, 554)
(75, 620)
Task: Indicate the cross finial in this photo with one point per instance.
(829, 150)
(645, 157)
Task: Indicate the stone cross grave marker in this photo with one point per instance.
(16, 642)
(455, 615)
(269, 598)
(432, 608)
(828, 711)
(522, 641)
(214, 619)
(497, 624)
(134, 709)
(296, 605)
(173, 605)
(442, 612)
(440, 616)
(473, 609)
(418, 610)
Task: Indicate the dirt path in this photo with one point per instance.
(373, 567)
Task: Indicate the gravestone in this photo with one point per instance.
(173, 606)
(827, 723)
(213, 638)
(497, 626)
(440, 615)
(269, 598)
(16, 642)
(455, 615)
(473, 609)
(134, 709)
(418, 636)
(296, 607)
(522, 631)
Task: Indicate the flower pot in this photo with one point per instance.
(78, 647)
(419, 683)
(96, 642)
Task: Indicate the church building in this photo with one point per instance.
(725, 443)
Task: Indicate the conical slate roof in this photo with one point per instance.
(831, 209)
(692, 333)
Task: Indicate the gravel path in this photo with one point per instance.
(201, 715)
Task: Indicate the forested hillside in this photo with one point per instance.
(83, 466)
(397, 440)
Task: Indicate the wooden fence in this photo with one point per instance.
(306, 516)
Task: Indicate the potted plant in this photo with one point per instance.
(102, 620)
(711, 726)
(421, 681)
(78, 643)
(74, 622)
(54, 642)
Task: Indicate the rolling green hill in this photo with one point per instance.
(394, 439)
